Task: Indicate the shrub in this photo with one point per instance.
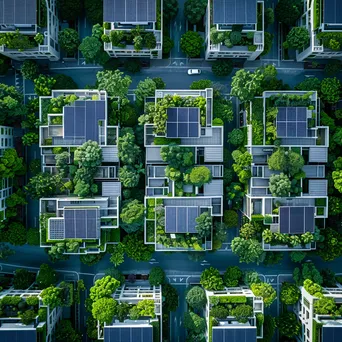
(196, 297)
(157, 276)
(242, 313)
(29, 69)
(231, 218)
(236, 137)
(235, 37)
(232, 276)
(191, 43)
(297, 38)
(330, 90)
(219, 311)
(289, 294)
(69, 41)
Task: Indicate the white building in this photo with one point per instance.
(234, 29)
(229, 329)
(37, 27)
(79, 116)
(191, 128)
(135, 330)
(298, 128)
(323, 20)
(317, 327)
(6, 141)
(131, 28)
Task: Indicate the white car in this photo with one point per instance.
(194, 72)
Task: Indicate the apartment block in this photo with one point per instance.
(29, 31)
(286, 121)
(230, 329)
(318, 327)
(71, 118)
(143, 329)
(173, 202)
(234, 29)
(323, 20)
(133, 28)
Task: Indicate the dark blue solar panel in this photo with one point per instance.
(284, 213)
(301, 129)
(20, 12)
(182, 220)
(193, 115)
(332, 12)
(297, 220)
(18, 335)
(69, 122)
(331, 333)
(193, 130)
(183, 130)
(192, 215)
(183, 114)
(230, 334)
(310, 220)
(291, 114)
(171, 224)
(281, 116)
(301, 114)
(291, 129)
(80, 122)
(78, 226)
(281, 129)
(172, 131)
(172, 114)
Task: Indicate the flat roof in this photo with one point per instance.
(129, 11)
(81, 119)
(332, 11)
(235, 12)
(292, 122)
(183, 122)
(18, 335)
(181, 219)
(297, 220)
(231, 334)
(331, 333)
(128, 334)
(19, 12)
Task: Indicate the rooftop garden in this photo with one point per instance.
(20, 42)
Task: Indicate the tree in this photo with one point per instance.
(52, 296)
(104, 309)
(118, 254)
(28, 316)
(236, 137)
(330, 90)
(94, 11)
(17, 234)
(128, 151)
(170, 9)
(331, 247)
(64, 82)
(266, 291)
(200, 175)
(279, 185)
(232, 276)
(46, 276)
(160, 84)
(246, 84)
(43, 85)
(251, 277)
(219, 311)
(11, 164)
(132, 216)
(290, 162)
(231, 218)
(297, 256)
(69, 10)
(29, 69)
(122, 311)
(297, 38)
(115, 273)
(268, 17)
(91, 259)
(222, 67)
(88, 155)
(249, 230)
(309, 84)
(30, 138)
(242, 313)
(191, 42)
(115, 83)
(129, 176)
(170, 298)
(103, 287)
(329, 278)
(194, 10)
(288, 11)
(289, 294)
(211, 279)
(144, 89)
(204, 224)
(313, 288)
(333, 67)
(65, 332)
(247, 250)
(167, 44)
(23, 279)
(337, 177)
(194, 323)
(288, 324)
(196, 298)
(33, 236)
(43, 185)
(90, 48)
(136, 249)
(69, 40)
(157, 276)
(269, 328)
(325, 306)
(176, 156)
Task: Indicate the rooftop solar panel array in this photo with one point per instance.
(332, 333)
(18, 335)
(297, 220)
(180, 219)
(129, 11)
(332, 12)
(20, 12)
(235, 12)
(231, 334)
(292, 122)
(183, 122)
(81, 223)
(81, 120)
(128, 334)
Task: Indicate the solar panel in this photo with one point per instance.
(180, 219)
(332, 12)
(296, 220)
(183, 122)
(128, 333)
(129, 11)
(81, 223)
(331, 333)
(230, 334)
(18, 335)
(292, 122)
(19, 12)
(235, 12)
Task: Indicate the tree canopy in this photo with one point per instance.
(157, 276)
(247, 250)
(196, 298)
(194, 10)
